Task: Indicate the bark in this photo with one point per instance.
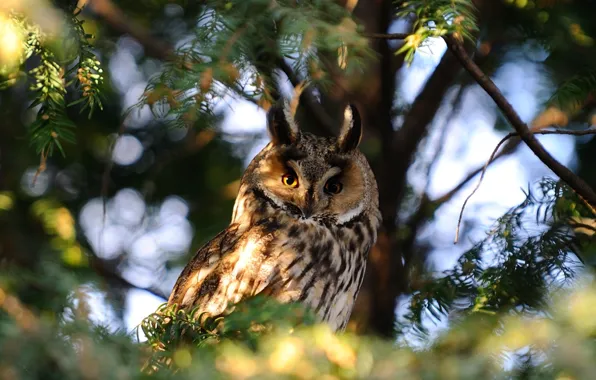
(387, 272)
(374, 310)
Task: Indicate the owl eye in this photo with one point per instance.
(290, 180)
(333, 186)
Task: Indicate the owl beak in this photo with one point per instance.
(308, 208)
(307, 212)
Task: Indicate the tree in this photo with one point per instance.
(125, 111)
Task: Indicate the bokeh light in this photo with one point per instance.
(127, 150)
(11, 40)
(35, 183)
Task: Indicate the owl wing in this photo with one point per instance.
(206, 256)
(230, 267)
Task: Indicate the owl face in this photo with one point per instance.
(311, 177)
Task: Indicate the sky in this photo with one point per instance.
(148, 235)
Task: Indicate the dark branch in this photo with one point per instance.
(117, 20)
(388, 36)
(574, 181)
(405, 142)
(492, 156)
(105, 271)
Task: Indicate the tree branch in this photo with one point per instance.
(405, 142)
(428, 206)
(105, 271)
(492, 156)
(374, 92)
(574, 181)
(115, 17)
(388, 36)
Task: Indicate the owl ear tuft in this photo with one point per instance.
(281, 124)
(351, 130)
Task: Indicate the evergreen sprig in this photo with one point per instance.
(169, 327)
(572, 94)
(88, 72)
(51, 124)
(436, 18)
(72, 57)
(515, 268)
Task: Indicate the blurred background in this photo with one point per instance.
(136, 192)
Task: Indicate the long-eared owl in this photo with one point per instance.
(303, 223)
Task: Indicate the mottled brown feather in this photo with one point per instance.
(298, 244)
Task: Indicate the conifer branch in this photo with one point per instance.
(117, 20)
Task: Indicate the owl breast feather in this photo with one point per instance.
(318, 265)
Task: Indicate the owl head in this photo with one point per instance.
(310, 177)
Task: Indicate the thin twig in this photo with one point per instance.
(571, 179)
(508, 149)
(42, 165)
(388, 36)
(578, 226)
(105, 185)
(105, 178)
(230, 43)
(492, 156)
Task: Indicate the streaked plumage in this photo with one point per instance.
(303, 223)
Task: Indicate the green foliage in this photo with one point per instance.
(62, 52)
(238, 44)
(235, 49)
(574, 92)
(88, 72)
(437, 18)
(168, 328)
(529, 253)
(51, 123)
(558, 30)
(40, 346)
(478, 346)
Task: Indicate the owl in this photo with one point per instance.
(305, 218)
